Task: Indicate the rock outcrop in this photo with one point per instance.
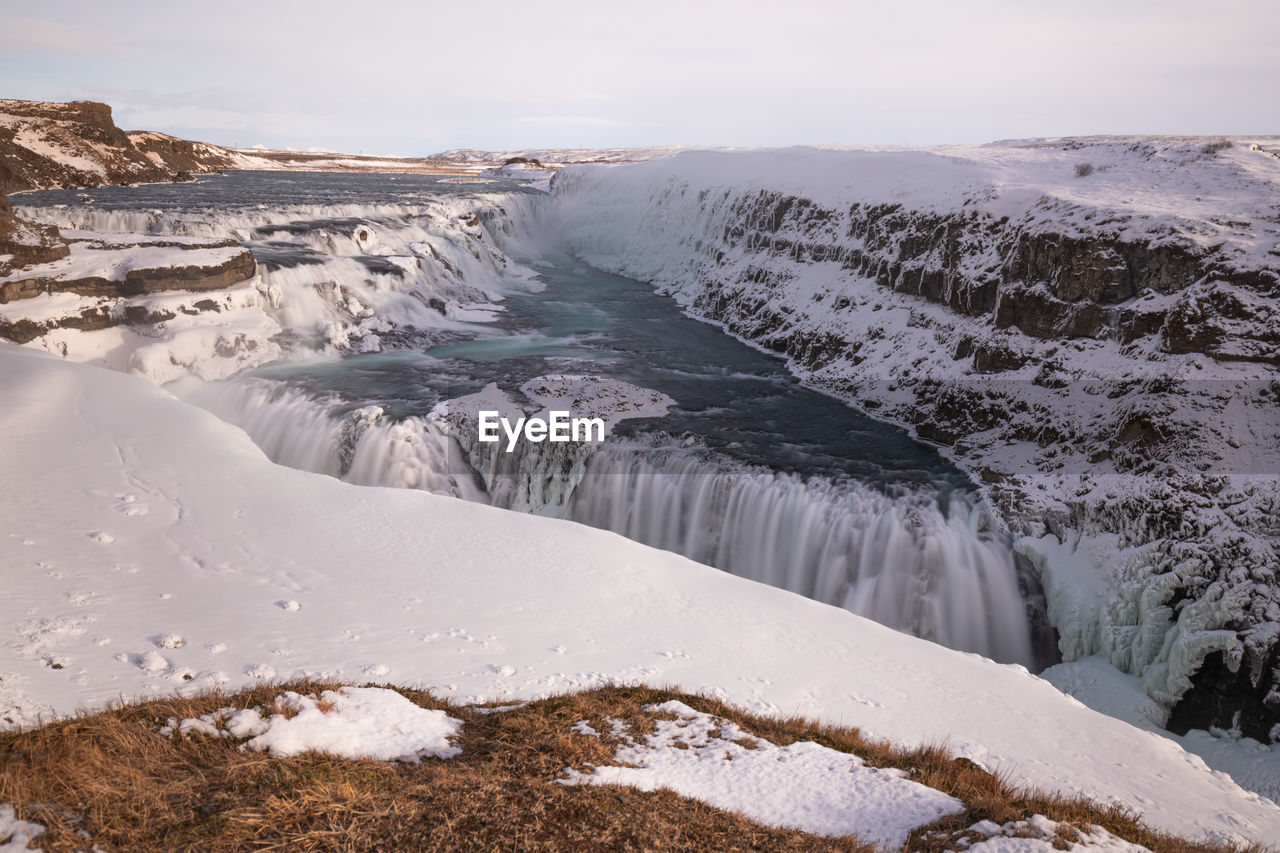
(60, 294)
(24, 243)
(77, 145)
(214, 273)
(181, 156)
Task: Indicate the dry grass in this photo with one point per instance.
(110, 779)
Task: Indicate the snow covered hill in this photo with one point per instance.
(1090, 326)
(150, 547)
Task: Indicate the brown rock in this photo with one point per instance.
(237, 268)
(26, 243)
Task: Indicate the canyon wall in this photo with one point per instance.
(1090, 327)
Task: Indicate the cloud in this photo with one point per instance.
(583, 121)
(29, 35)
(151, 118)
(584, 72)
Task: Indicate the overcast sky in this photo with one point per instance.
(418, 77)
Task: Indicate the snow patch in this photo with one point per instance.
(351, 722)
(16, 835)
(1039, 834)
(804, 786)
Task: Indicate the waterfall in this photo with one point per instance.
(906, 560)
(943, 574)
(340, 275)
(361, 446)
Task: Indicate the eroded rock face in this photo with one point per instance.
(239, 267)
(24, 243)
(93, 302)
(1046, 284)
(1225, 321)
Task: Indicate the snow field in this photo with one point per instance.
(476, 602)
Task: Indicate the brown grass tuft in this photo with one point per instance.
(110, 779)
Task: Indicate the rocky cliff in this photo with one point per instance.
(77, 144)
(1091, 327)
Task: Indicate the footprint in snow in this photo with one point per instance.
(260, 670)
(376, 670)
(168, 641)
(289, 605)
(151, 661)
(102, 537)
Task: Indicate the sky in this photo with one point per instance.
(414, 78)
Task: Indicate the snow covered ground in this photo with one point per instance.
(1101, 686)
(114, 263)
(151, 548)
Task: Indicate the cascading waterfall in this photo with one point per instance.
(345, 273)
(941, 573)
(362, 446)
(900, 560)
